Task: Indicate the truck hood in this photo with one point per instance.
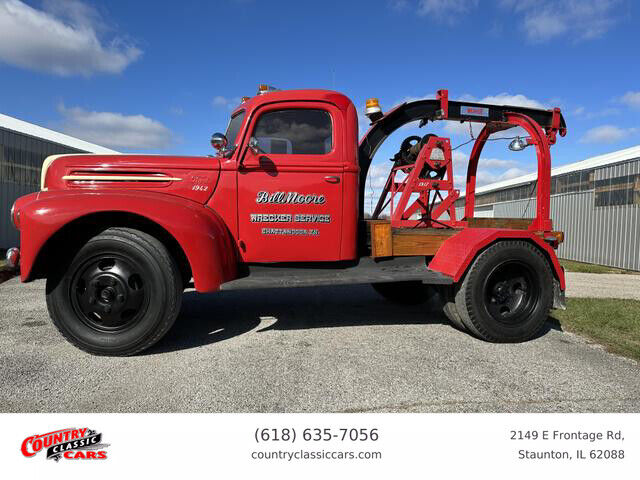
(189, 177)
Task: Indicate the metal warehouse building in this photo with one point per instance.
(23, 148)
(596, 202)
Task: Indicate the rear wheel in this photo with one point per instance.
(119, 295)
(404, 293)
(507, 293)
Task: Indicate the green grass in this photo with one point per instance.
(611, 322)
(3, 264)
(572, 266)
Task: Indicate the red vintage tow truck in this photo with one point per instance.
(119, 237)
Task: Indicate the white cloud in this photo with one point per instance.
(543, 26)
(114, 130)
(445, 9)
(223, 102)
(518, 100)
(61, 39)
(453, 127)
(490, 170)
(219, 101)
(578, 19)
(504, 98)
(459, 157)
(496, 163)
(632, 99)
(541, 20)
(606, 134)
(589, 115)
(378, 175)
(398, 4)
(484, 177)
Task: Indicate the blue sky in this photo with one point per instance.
(161, 76)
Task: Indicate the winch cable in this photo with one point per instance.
(487, 140)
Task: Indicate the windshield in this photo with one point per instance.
(234, 127)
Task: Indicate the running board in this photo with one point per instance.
(367, 270)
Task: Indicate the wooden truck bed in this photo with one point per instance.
(386, 241)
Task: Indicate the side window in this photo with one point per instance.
(295, 131)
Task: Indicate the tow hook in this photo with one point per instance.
(13, 258)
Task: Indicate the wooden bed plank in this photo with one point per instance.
(387, 242)
(512, 223)
(381, 239)
(417, 244)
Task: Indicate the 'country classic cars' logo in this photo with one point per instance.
(70, 443)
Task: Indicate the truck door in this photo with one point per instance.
(290, 184)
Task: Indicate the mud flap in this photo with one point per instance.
(559, 300)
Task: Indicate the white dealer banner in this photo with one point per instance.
(316, 445)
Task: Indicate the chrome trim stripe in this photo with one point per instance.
(121, 178)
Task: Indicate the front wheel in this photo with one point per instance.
(507, 293)
(119, 295)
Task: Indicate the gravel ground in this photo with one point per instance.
(330, 349)
(603, 285)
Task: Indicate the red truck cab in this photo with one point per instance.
(119, 237)
(297, 192)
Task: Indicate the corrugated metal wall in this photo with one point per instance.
(21, 158)
(9, 236)
(603, 235)
(606, 235)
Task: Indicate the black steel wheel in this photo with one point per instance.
(119, 294)
(511, 291)
(109, 293)
(507, 293)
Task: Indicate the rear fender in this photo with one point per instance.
(198, 230)
(457, 252)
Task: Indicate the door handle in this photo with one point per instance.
(332, 179)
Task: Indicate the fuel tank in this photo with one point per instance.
(194, 178)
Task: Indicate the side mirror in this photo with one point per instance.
(253, 145)
(218, 141)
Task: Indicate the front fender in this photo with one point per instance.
(199, 231)
(457, 252)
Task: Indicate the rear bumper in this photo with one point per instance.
(13, 258)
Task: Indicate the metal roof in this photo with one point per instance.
(21, 126)
(589, 163)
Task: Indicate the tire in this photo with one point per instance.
(119, 294)
(404, 293)
(507, 293)
(447, 294)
